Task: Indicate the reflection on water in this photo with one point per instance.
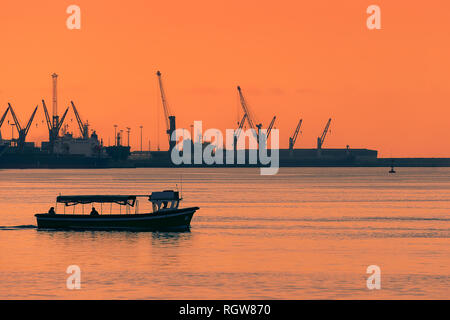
(17, 227)
(171, 238)
(304, 233)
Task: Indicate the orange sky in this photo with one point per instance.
(385, 89)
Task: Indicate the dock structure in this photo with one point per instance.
(63, 149)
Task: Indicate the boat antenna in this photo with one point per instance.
(181, 184)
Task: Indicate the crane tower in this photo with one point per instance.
(55, 101)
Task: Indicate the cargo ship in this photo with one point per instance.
(65, 152)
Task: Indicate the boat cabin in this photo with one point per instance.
(164, 200)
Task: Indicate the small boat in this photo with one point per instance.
(392, 167)
(166, 215)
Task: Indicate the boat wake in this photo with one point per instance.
(17, 227)
(337, 219)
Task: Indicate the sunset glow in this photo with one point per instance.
(385, 89)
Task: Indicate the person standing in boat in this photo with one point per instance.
(51, 211)
(94, 212)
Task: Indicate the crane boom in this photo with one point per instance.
(241, 125)
(61, 121)
(295, 135)
(2, 120)
(30, 121)
(80, 123)
(321, 139)
(167, 113)
(47, 117)
(245, 108)
(269, 129)
(16, 121)
(250, 118)
(168, 116)
(4, 116)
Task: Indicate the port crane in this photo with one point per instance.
(168, 116)
(269, 129)
(23, 132)
(321, 139)
(2, 120)
(295, 135)
(250, 118)
(53, 128)
(84, 128)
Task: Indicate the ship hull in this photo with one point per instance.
(173, 220)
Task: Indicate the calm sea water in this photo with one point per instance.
(306, 233)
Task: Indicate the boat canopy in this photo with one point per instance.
(74, 200)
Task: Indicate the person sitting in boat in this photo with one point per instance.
(51, 210)
(94, 212)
